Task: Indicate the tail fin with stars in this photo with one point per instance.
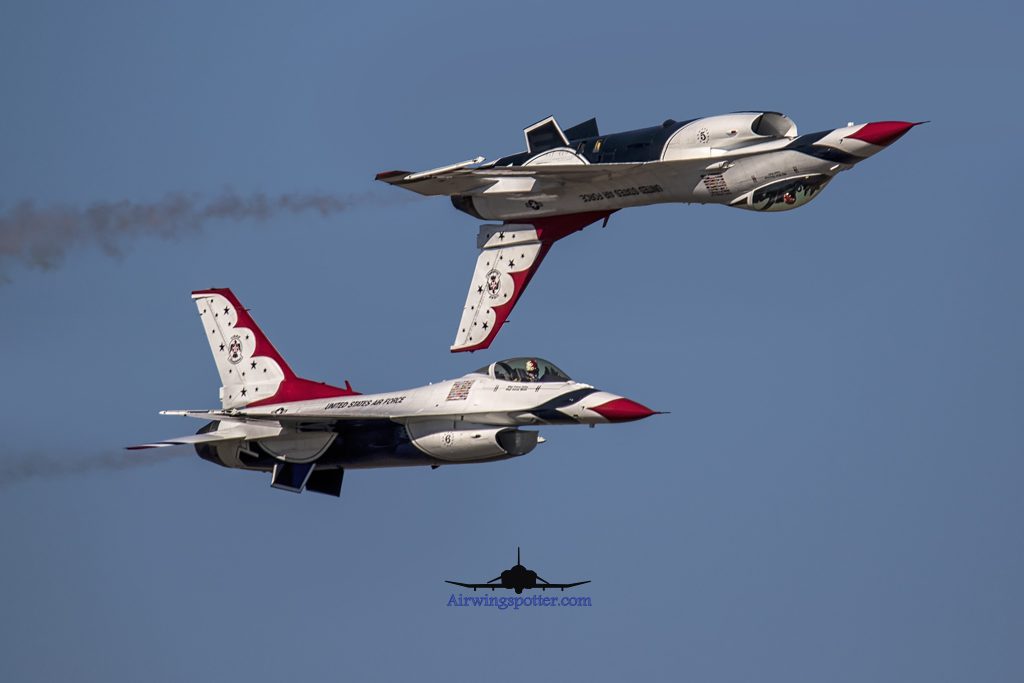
(252, 372)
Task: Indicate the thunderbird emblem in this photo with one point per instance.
(494, 283)
(235, 350)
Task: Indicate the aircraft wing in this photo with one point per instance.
(236, 432)
(563, 586)
(542, 586)
(238, 425)
(510, 254)
(474, 586)
(461, 180)
(280, 417)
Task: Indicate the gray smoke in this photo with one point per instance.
(39, 237)
(18, 468)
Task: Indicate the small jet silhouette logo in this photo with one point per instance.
(518, 578)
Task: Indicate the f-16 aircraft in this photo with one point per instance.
(569, 179)
(306, 433)
(518, 578)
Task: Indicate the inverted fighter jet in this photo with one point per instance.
(518, 578)
(306, 433)
(569, 179)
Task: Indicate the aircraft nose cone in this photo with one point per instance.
(883, 133)
(623, 410)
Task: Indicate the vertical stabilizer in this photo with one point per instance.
(251, 370)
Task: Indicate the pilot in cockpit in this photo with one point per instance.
(532, 371)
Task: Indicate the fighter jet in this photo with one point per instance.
(569, 179)
(518, 578)
(306, 433)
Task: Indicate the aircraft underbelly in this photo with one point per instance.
(656, 186)
(721, 182)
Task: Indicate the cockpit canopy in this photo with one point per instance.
(525, 369)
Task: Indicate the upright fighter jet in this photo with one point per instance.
(306, 434)
(569, 179)
(518, 578)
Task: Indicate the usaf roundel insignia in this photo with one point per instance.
(493, 283)
(235, 350)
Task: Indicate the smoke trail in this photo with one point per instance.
(19, 468)
(39, 237)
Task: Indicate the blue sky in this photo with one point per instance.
(834, 496)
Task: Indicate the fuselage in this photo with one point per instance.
(472, 418)
(750, 160)
(471, 398)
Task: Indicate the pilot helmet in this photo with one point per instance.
(531, 367)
